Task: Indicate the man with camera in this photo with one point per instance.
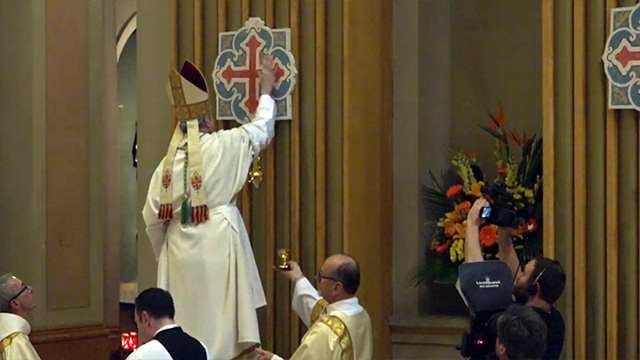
(538, 285)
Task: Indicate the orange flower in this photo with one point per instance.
(454, 190)
(519, 139)
(461, 230)
(502, 172)
(500, 117)
(453, 216)
(472, 155)
(442, 248)
(497, 120)
(450, 228)
(463, 206)
(488, 235)
(475, 189)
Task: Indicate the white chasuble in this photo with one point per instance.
(209, 268)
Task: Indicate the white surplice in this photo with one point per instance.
(320, 341)
(209, 268)
(14, 338)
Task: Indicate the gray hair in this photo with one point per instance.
(201, 124)
(6, 292)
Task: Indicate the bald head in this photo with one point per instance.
(344, 269)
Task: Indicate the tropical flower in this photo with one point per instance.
(475, 189)
(454, 190)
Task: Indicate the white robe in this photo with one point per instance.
(209, 268)
(14, 338)
(154, 350)
(320, 342)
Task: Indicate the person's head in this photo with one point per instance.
(542, 278)
(154, 309)
(339, 278)
(205, 124)
(521, 334)
(15, 296)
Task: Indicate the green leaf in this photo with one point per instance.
(495, 134)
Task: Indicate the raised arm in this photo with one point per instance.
(507, 252)
(472, 250)
(305, 296)
(262, 128)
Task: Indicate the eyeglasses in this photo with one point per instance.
(24, 287)
(320, 276)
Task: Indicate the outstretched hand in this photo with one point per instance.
(267, 76)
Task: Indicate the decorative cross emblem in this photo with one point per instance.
(622, 58)
(236, 71)
(233, 74)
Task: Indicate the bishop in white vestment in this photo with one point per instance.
(204, 256)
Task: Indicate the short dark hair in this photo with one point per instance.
(522, 332)
(552, 281)
(348, 273)
(156, 302)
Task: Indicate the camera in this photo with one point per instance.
(503, 212)
(486, 289)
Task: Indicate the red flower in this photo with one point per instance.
(454, 190)
(442, 248)
(488, 236)
(502, 172)
(531, 226)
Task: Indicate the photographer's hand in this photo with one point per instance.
(472, 249)
(473, 218)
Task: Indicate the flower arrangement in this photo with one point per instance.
(519, 173)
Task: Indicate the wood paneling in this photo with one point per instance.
(186, 24)
(270, 172)
(334, 141)
(67, 159)
(595, 316)
(563, 157)
(321, 128)
(580, 180)
(198, 34)
(300, 203)
(367, 178)
(294, 13)
(85, 342)
(548, 126)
